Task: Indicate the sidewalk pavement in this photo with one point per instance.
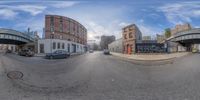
(42, 54)
(151, 57)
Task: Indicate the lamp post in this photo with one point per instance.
(51, 36)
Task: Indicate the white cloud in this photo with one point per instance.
(32, 9)
(36, 25)
(141, 20)
(64, 4)
(148, 30)
(123, 24)
(181, 12)
(97, 30)
(7, 14)
(197, 26)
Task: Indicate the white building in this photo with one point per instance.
(11, 47)
(116, 46)
(51, 45)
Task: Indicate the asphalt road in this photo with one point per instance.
(94, 76)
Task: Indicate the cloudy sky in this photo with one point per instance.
(102, 17)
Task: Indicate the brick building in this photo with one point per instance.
(180, 28)
(64, 28)
(160, 38)
(146, 37)
(63, 33)
(131, 34)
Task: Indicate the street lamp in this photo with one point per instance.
(52, 37)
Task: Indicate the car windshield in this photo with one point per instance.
(99, 49)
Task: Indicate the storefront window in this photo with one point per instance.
(54, 45)
(63, 46)
(58, 46)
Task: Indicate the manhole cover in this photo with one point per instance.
(15, 75)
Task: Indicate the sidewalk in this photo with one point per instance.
(42, 54)
(151, 57)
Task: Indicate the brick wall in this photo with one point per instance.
(65, 28)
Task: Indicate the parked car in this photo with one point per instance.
(194, 50)
(26, 52)
(106, 51)
(59, 54)
(91, 51)
(8, 51)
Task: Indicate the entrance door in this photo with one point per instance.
(68, 47)
(74, 48)
(129, 48)
(41, 48)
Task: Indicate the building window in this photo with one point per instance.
(51, 36)
(61, 37)
(61, 24)
(74, 27)
(54, 45)
(52, 24)
(63, 46)
(130, 35)
(58, 46)
(69, 26)
(77, 28)
(68, 47)
(124, 36)
(41, 48)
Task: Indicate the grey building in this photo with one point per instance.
(105, 40)
(116, 46)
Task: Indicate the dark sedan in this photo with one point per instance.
(106, 52)
(59, 54)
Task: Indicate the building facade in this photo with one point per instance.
(64, 28)
(146, 37)
(180, 28)
(174, 46)
(116, 46)
(105, 40)
(150, 46)
(131, 34)
(160, 38)
(63, 33)
(51, 45)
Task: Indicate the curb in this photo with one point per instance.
(150, 62)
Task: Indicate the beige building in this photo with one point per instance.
(146, 37)
(160, 38)
(180, 28)
(131, 34)
(116, 46)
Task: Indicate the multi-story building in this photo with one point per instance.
(64, 28)
(146, 37)
(160, 38)
(176, 47)
(62, 33)
(105, 40)
(131, 34)
(116, 46)
(180, 28)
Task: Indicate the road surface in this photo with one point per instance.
(94, 76)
